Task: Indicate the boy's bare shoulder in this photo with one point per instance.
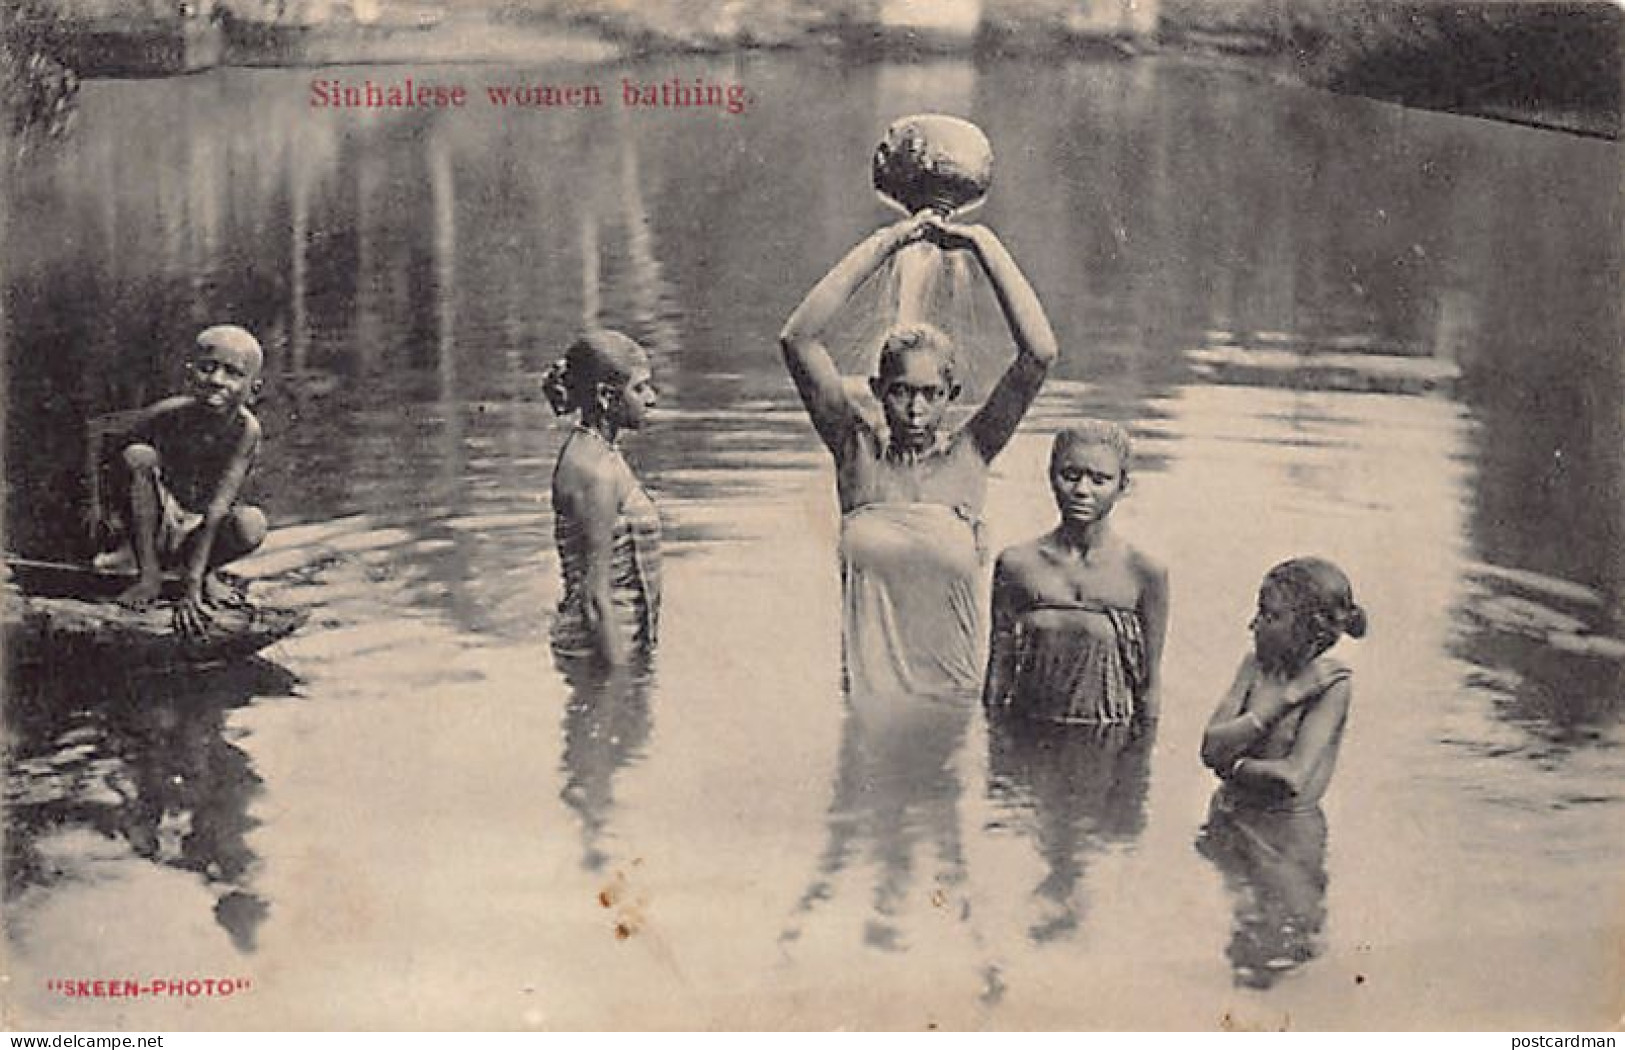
(172, 403)
(147, 413)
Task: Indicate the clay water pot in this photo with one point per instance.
(933, 161)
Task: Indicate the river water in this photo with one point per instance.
(1334, 326)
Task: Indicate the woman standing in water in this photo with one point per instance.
(1275, 735)
(605, 524)
(1080, 614)
(911, 499)
(1274, 740)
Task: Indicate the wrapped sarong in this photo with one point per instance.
(634, 579)
(912, 609)
(1081, 662)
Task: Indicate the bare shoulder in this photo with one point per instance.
(590, 475)
(1148, 570)
(1327, 670)
(1332, 664)
(1018, 577)
(1021, 561)
(166, 406)
(251, 425)
(1336, 695)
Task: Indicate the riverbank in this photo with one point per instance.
(1551, 64)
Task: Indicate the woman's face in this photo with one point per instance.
(1276, 634)
(1086, 481)
(634, 400)
(914, 393)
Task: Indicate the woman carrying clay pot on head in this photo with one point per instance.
(911, 495)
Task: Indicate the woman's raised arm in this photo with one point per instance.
(996, 421)
(801, 340)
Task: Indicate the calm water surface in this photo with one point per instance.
(407, 816)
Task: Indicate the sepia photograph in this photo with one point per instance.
(810, 515)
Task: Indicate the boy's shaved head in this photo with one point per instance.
(231, 338)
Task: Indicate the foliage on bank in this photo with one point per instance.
(1554, 62)
(38, 94)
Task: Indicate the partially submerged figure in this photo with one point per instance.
(606, 526)
(911, 498)
(1274, 741)
(1079, 614)
(180, 467)
(1274, 737)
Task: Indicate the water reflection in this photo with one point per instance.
(606, 728)
(1076, 791)
(149, 760)
(893, 821)
(1274, 865)
(1546, 653)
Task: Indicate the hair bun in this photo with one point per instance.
(556, 387)
(1354, 621)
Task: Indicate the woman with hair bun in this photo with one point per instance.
(1273, 742)
(606, 526)
(1274, 737)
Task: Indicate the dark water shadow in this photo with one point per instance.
(147, 760)
(1076, 790)
(1274, 865)
(1537, 670)
(605, 728)
(894, 810)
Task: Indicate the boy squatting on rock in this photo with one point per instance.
(181, 465)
